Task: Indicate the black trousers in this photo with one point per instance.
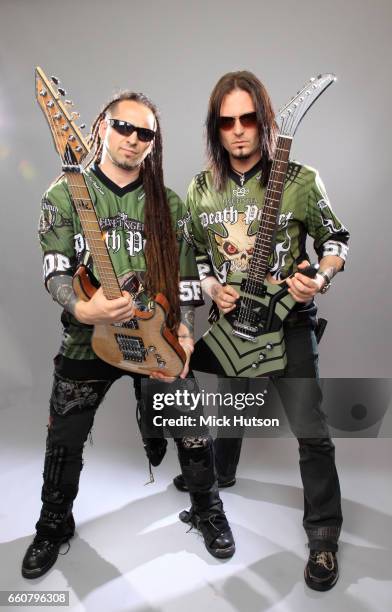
(79, 387)
(322, 518)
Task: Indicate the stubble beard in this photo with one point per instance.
(124, 165)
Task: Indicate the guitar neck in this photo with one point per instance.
(92, 231)
(269, 217)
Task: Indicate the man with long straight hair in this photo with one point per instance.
(221, 201)
(140, 218)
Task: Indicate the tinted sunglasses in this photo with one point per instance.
(247, 120)
(126, 129)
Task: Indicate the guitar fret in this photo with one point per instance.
(271, 199)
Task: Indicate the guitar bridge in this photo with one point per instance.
(244, 331)
(132, 349)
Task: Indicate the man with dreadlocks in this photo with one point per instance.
(140, 217)
(223, 203)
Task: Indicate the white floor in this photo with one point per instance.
(131, 553)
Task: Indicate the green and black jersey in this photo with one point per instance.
(120, 214)
(223, 225)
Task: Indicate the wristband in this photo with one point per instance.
(327, 282)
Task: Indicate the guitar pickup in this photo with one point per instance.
(258, 290)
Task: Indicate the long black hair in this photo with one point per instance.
(218, 157)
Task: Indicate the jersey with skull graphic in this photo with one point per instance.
(223, 225)
(120, 214)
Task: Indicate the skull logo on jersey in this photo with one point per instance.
(236, 246)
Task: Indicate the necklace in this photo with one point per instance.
(241, 175)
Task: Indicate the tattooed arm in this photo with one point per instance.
(97, 310)
(61, 290)
(186, 328)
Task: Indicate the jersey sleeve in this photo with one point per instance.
(189, 284)
(330, 235)
(195, 233)
(56, 232)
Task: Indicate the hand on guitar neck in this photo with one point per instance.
(99, 310)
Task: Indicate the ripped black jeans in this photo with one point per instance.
(79, 387)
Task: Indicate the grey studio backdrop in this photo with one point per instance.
(175, 51)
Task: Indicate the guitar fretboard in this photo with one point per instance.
(94, 236)
(268, 222)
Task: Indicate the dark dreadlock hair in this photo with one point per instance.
(218, 157)
(161, 249)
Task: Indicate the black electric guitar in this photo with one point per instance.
(248, 341)
(144, 344)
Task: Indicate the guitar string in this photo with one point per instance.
(80, 188)
(106, 278)
(255, 276)
(271, 207)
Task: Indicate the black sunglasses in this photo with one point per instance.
(247, 120)
(126, 129)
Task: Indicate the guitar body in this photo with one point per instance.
(141, 345)
(265, 352)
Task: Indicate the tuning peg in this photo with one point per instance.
(75, 115)
(55, 80)
(61, 91)
(71, 137)
(43, 92)
(57, 116)
(65, 128)
(78, 149)
(50, 103)
(69, 102)
(82, 126)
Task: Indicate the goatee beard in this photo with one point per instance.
(241, 155)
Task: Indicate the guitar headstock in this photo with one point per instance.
(67, 137)
(290, 115)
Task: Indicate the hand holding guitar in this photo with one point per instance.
(301, 287)
(187, 344)
(99, 310)
(224, 296)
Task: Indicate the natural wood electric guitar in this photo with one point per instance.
(143, 344)
(249, 340)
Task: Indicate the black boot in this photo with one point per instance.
(206, 514)
(214, 527)
(53, 529)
